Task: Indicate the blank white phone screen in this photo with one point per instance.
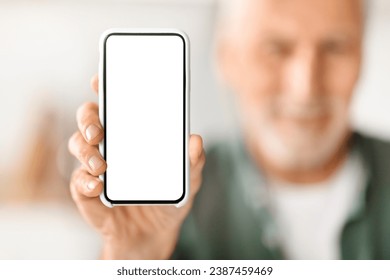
(144, 117)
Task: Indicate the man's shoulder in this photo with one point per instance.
(218, 169)
(372, 143)
(375, 151)
(223, 179)
(219, 181)
(219, 150)
(376, 157)
(225, 161)
(223, 153)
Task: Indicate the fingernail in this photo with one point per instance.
(92, 185)
(95, 162)
(91, 132)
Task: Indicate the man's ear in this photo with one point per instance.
(227, 62)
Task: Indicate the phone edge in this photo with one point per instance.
(185, 37)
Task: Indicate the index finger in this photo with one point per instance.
(89, 124)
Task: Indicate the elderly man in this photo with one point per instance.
(297, 183)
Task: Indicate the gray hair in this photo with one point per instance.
(230, 10)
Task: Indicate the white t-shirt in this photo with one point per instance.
(310, 218)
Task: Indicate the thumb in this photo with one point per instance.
(197, 161)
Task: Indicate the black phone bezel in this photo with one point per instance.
(130, 202)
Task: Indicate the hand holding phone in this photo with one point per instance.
(132, 232)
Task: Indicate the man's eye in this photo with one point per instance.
(278, 49)
(335, 48)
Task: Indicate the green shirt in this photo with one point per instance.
(229, 221)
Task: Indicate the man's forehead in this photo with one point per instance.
(235, 8)
(234, 12)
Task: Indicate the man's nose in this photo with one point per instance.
(302, 77)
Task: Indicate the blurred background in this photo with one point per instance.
(48, 53)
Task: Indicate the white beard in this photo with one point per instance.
(301, 149)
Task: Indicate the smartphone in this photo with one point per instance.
(144, 82)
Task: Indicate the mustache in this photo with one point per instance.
(313, 109)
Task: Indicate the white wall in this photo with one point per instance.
(49, 51)
(371, 105)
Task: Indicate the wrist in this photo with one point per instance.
(113, 251)
(158, 246)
